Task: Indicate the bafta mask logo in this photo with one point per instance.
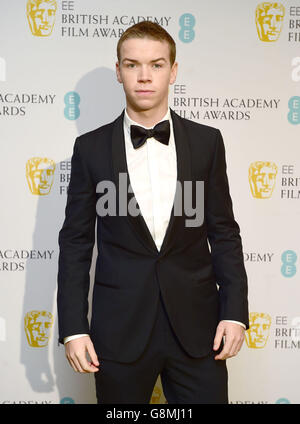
(40, 175)
(259, 328)
(269, 20)
(37, 326)
(262, 177)
(156, 395)
(41, 16)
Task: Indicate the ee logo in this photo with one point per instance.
(294, 107)
(67, 400)
(282, 400)
(72, 100)
(187, 23)
(288, 268)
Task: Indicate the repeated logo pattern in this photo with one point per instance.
(262, 177)
(269, 20)
(259, 328)
(41, 16)
(40, 175)
(37, 325)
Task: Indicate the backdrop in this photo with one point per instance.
(239, 71)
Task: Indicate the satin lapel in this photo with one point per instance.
(120, 166)
(184, 173)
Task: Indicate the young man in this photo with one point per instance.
(156, 305)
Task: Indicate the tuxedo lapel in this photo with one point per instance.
(184, 173)
(119, 162)
(119, 165)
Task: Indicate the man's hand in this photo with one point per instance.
(234, 338)
(76, 354)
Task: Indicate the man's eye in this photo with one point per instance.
(157, 65)
(130, 65)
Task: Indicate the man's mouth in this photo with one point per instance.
(144, 92)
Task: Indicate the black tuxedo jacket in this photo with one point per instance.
(201, 283)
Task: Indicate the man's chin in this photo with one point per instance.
(143, 106)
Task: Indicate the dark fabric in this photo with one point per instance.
(160, 132)
(184, 379)
(199, 270)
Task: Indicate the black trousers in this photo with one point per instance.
(184, 379)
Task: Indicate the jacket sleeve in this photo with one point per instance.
(224, 238)
(76, 241)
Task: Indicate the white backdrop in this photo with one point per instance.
(238, 73)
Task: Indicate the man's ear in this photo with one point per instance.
(119, 78)
(174, 73)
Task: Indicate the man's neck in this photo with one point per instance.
(147, 118)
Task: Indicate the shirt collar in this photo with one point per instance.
(128, 121)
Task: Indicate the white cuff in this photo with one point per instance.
(237, 322)
(76, 336)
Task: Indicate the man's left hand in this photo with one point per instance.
(234, 338)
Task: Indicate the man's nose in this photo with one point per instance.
(144, 74)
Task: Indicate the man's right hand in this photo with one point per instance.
(76, 351)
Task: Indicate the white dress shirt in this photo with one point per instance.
(152, 172)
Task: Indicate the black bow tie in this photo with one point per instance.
(160, 132)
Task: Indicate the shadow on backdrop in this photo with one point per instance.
(101, 101)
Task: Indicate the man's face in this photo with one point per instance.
(145, 72)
